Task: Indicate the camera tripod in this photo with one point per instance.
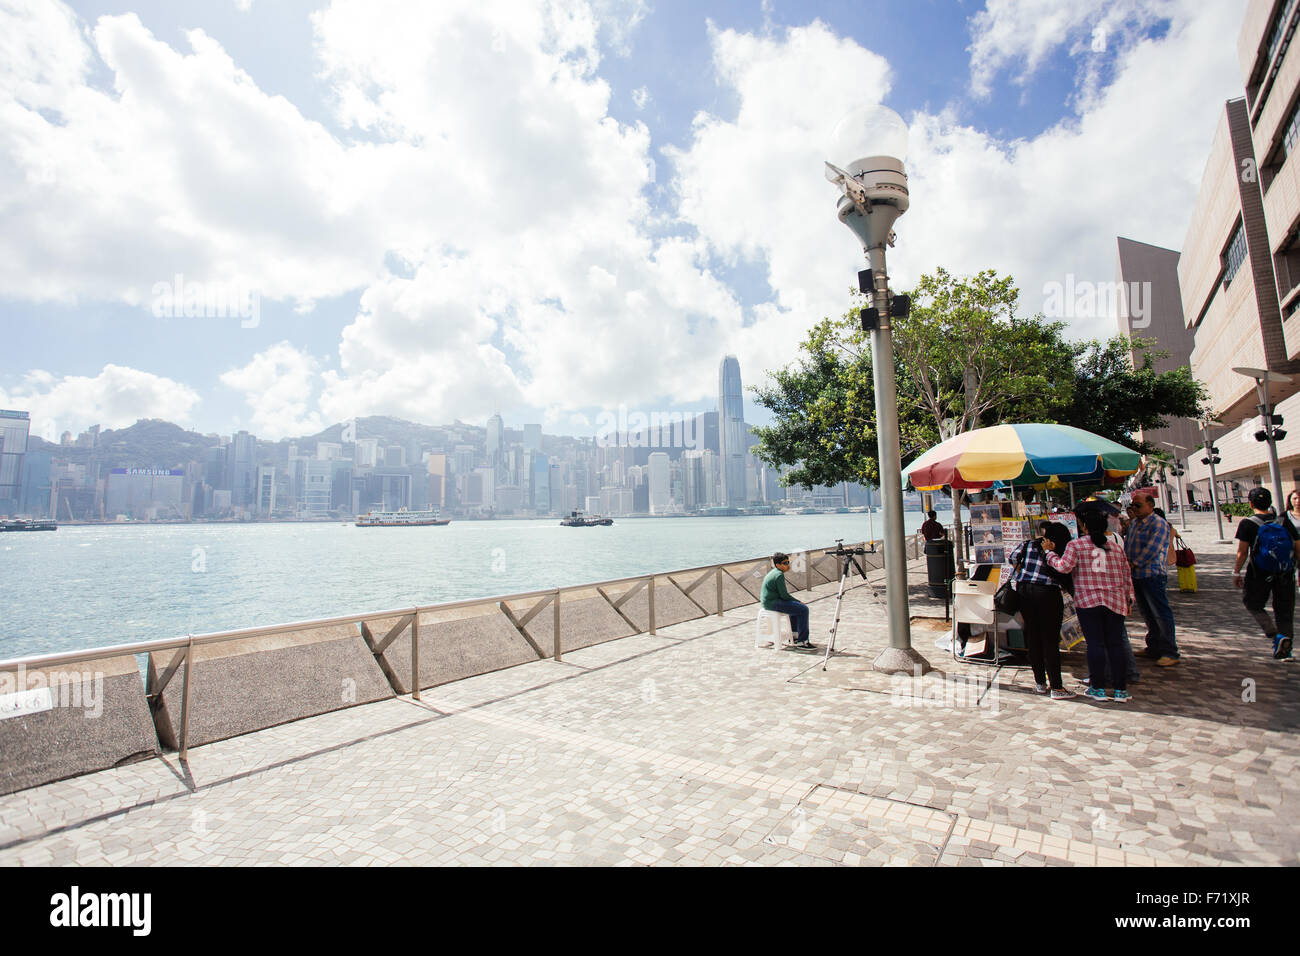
(848, 562)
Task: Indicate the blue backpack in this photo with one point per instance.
(1272, 552)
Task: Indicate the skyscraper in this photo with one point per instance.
(494, 446)
(731, 433)
(14, 426)
(241, 469)
(660, 489)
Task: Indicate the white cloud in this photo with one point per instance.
(1037, 208)
(640, 97)
(279, 386)
(478, 149)
(116, 397)
(1027, 32)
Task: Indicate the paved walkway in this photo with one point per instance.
(693, 747)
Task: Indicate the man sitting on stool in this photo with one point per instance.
(776, 598)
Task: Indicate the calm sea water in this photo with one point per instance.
(89, 586)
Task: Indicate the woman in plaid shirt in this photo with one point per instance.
(1103, 596)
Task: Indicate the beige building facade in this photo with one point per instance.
(1238, 273)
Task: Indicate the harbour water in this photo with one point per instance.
(95, 585)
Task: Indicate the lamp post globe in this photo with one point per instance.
(871, 143)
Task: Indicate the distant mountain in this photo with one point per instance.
(149, 443)
(393, 431)
(154, 443)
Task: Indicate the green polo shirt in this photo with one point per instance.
(774, 589)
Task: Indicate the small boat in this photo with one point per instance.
(577, 519)
(400, 519)
(23, 524)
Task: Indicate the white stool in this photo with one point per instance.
(773, 623)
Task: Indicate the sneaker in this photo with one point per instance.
(804, 645)
(1085, 680)
(1062, 694)
(1281, 647)
(1096, 693)
(1166, 662)
(1122, 697)
(1040, 688)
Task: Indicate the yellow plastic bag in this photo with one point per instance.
(1187, 579)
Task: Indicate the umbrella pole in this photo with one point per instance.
(1071, 496)
(958, 538)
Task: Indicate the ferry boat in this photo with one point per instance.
(23, 524)
(400, 519)
(577, 519)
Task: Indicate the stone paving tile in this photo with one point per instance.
(694, 748)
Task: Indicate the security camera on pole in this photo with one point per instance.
(872, 141)
(1210, 460)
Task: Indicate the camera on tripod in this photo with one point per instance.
(840, 550)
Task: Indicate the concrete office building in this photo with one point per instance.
(145, 494)
(1238, 273)
(732, 434)
(1150, 306)
(1240, 268)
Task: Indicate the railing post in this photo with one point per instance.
(415, 655)
(185, 698)
(650, 589)
(719, 591)
(555, 619)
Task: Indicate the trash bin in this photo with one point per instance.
(939, 564)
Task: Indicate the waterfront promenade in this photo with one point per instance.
(692, 747)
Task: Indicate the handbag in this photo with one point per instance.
(1184, 557)
(1005, 599)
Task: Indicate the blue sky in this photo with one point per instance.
(546, 210)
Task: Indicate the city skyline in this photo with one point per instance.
(651, 465)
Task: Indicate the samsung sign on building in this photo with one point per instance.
(150, 472)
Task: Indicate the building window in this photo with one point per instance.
(1279, 31)
(1286, 264)
(1236, 253)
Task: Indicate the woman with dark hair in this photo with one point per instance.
(1103, 597)
(1041, 608)
(1292, 515)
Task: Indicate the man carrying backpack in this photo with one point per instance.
(1269, 549)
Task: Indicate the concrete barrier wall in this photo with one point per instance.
(97, 718)
(454, 644)
(249, 684)
(258, 682)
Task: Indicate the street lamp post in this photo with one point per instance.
(873, 142)
(1210, 452)
(1178, 473)
(1262, 377)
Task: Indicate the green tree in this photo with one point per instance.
(970, 361)
(1115, 397)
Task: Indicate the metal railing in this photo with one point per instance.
(409, 618)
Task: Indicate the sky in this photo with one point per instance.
(275, 216)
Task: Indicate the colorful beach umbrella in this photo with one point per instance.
(1020, 454)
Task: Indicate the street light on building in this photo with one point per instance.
(872, 143)
(1270, 433)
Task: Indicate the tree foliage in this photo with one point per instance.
(963, 359)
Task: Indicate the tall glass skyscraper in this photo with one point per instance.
(14, 426)
(731, 434)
